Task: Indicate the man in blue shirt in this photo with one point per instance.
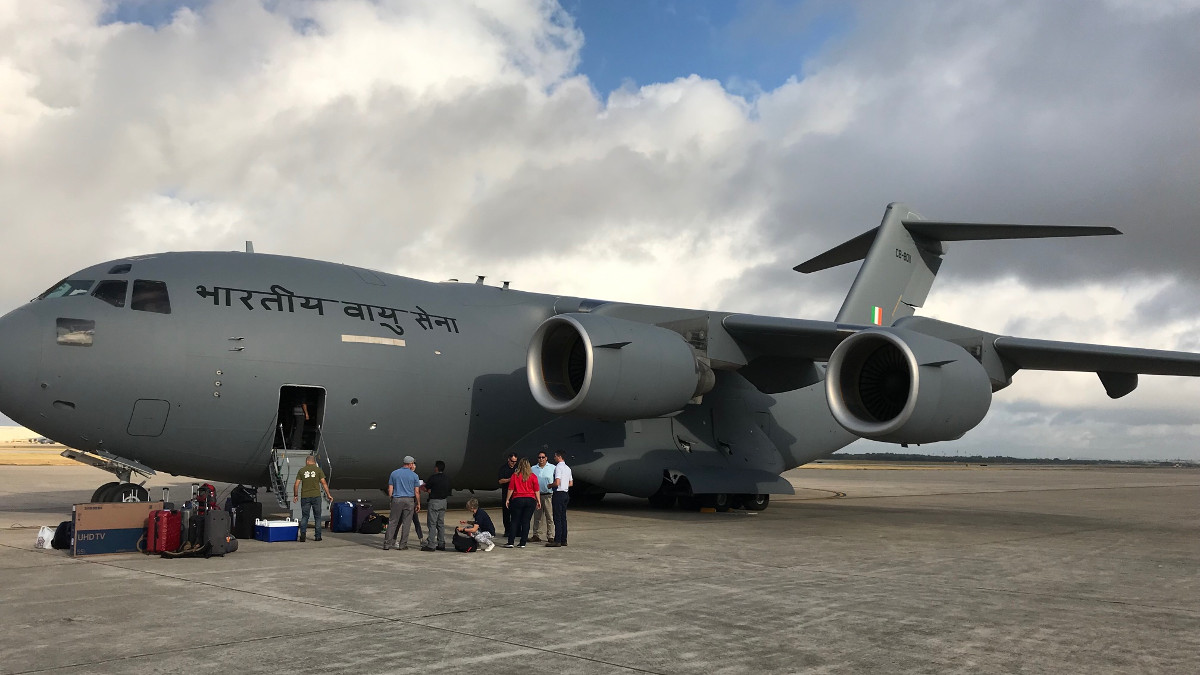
(404, 489)
(545, 475)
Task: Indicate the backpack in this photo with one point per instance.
(374, 524)
(464, 543)
(63, 535)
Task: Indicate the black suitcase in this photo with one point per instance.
(244, 516)
(362, 511)
(217, 536)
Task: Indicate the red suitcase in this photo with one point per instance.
(163, 530)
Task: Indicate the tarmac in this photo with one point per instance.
(866, 570)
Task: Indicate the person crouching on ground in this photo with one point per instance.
(438, 486)
(310, 481)
(481, 527)
(523, 501)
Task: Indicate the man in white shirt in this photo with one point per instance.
(563, 481)
(545, 475)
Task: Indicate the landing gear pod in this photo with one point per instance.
(606, 368)
(898, 386)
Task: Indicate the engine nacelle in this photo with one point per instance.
(613, 369)
(898, 386)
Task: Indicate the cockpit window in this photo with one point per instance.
(66, 288)
(76, 332)
(150, 296)
(120, 269)
(112, 292)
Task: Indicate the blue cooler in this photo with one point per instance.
(276, 530)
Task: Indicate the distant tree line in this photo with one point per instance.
(995, 459)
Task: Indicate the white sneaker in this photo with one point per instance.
(490, 546)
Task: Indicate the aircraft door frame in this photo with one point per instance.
(303, 406)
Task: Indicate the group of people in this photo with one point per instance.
(539, 494)
(529, 493)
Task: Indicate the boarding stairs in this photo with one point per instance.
(282, 474)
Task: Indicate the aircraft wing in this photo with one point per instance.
(1029, 354)
(793, 338)
(1117, 367)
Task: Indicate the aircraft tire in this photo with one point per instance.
(721, 501)
(101, 493)
(140, 494)
(756, 502)
(689, 502)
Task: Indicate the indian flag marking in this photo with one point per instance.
(877, 316)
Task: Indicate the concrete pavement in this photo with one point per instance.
(984, 569)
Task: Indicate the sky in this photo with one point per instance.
(674, 153)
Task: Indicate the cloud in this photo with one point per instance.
(442, 140)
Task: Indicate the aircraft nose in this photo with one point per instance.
(20, 351)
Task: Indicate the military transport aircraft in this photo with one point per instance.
(227, 365)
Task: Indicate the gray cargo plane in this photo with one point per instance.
(226, 366)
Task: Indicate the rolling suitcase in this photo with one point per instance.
(163, 531)
(362, 512)
(187, 528)
(217, 537)
(341, 517)
(244, 516)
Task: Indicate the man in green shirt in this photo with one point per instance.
(310, 482)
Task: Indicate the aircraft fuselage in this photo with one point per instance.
(206, 384)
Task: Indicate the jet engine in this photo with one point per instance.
(898, 386)
(605, 368)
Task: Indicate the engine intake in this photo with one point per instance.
(898, 386)
(605, 368)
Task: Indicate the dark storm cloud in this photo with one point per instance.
(1066, 113)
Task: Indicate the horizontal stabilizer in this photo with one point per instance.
(942, 231)
(858, 247)
(847, 252)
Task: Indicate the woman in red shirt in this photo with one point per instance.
(522, 501)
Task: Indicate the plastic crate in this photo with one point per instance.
(277, 530)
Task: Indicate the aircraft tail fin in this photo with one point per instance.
(901, 257)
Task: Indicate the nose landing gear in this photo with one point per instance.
(122, 489)
(117, 491)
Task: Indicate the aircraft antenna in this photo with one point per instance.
(249, 246)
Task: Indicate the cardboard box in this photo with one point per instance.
(277, 530)
(110, 527)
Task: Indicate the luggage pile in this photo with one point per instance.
(357, 516)
(200, 529)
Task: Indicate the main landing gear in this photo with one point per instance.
(670, 494)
